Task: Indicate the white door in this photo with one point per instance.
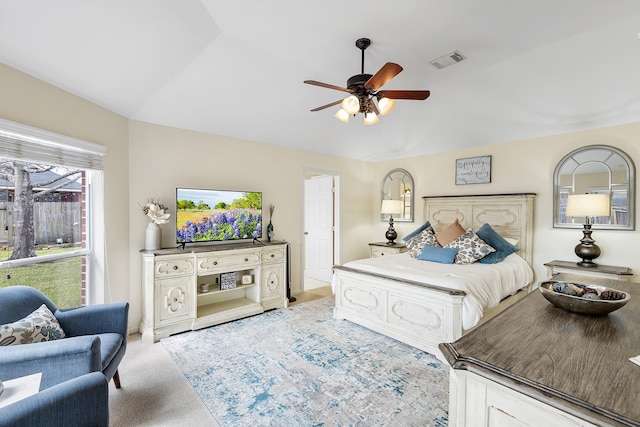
(318, 207)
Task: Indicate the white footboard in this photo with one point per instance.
(414, 314)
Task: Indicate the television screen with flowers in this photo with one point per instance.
(217, 215)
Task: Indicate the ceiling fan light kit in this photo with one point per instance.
(370, 119)
(342, 115)
(364, 92)
(351, 104)
(385, 105)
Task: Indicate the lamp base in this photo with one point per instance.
(587, 264)
(587, 249)
(391, 233)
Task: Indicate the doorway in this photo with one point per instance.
(321, 236)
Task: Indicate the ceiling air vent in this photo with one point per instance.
(448, 59)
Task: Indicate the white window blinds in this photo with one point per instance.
(22, 142)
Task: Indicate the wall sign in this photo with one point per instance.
(473, 170)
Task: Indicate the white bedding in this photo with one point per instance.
(485, 285)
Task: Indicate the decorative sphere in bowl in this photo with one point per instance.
(594, 300)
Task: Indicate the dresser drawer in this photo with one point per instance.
(228, 261)
(173, 266)
(270, 255)
(378, 251)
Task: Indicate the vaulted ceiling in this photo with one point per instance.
(236, 68)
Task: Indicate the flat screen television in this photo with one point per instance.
(204, 215)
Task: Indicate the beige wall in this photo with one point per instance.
(32, 102)
(525, 166)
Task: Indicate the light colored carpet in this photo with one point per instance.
(299, 366)
(154, 392)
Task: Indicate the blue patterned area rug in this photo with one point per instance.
(300, 367)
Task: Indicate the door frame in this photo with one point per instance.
(336, 216)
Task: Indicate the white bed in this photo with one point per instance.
(393, 295)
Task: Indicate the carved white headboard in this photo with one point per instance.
(511, 215)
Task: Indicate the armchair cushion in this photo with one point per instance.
(110, 344)
(80, 401)
(39, 326)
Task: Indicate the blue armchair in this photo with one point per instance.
(79, 402)
(96, 339)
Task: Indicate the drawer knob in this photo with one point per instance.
(273, 255)
(246, 260)
(175, 267)
(215, 262)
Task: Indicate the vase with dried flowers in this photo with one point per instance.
(156, 212)
(270, 226)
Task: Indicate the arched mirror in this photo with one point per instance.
(596, 169)
(397, 185)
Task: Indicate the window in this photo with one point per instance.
(50, 211)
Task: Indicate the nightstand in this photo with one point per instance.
(606, 271)
(379, 249)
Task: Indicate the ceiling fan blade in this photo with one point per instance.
(384, 74)
(406, 94)
(328, 86)
(327, 106)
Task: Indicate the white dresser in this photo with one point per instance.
(243, 279)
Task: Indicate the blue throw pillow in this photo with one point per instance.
(415, 232)
(441, 255)
(496, 241)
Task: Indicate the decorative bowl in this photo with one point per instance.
(593, 300)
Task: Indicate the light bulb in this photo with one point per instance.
(370, 118)
(385, 105)
(351, 104)
(342, 115)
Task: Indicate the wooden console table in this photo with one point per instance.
(539, 365)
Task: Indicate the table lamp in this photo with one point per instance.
(391, 207)
(588, 206)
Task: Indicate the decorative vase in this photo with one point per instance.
(153, 237)
(269, 231)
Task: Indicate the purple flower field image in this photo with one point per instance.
(216, 215)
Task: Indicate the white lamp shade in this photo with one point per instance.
(370, 119)
(351, 104)
(385, 105)
(391, 207)
(587, 205)
(342, 115)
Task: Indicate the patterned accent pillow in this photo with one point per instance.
(471, 248)
(427, 237)
(39, 326)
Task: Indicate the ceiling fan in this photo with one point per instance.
(366, 96)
